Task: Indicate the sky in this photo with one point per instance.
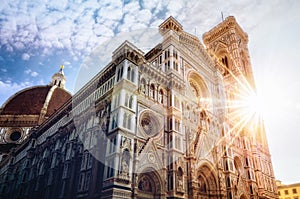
(36, 37)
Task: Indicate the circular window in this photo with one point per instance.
(150, 123)
(15, 136)
(147, 125)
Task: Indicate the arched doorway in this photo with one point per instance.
(149, 185)
(207, 185)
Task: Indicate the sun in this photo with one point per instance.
(254, 104)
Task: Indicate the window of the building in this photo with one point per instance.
(112, 145)
(114, 123)
(65, 171)
(84, 161)
(130, 74)
(167, 54)
(177, 125)
(152, 91)
(130, 101)
(279, 193)
(286, 192)
(124, 120)
(226, 167)
(178, 142)
(168, 64)
(81, 182)
(175, 54)
(120, 74)
(228, 183)
(251, 189)
(87, 180)
(176, 102)
(170, 182)
(110, 168)
(175, 65)
(127, 121)
(294, 191)
(161, 96)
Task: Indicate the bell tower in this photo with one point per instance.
(228, 44)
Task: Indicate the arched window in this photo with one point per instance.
(238, 165)
(225, 62)
(125, 120)
(132, 75)
(120, 74)
(130, 101)
(161, 96)
(228, 183)
(129, 122)
(129, 73)
(126, 100)
(152, 91)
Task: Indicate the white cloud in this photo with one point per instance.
(26, 56)
(31, 73)
(8, 88)
(34, 74)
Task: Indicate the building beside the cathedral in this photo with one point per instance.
(169, 123)
(288, 191)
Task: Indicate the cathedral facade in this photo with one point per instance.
(169, 123)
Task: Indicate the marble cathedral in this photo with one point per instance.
(161, 124)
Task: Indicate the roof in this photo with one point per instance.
(30, 101)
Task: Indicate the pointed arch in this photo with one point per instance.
(149, 184)
(199, 88)
(207, 181)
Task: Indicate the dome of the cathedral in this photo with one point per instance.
(31, 101)
(29, 108)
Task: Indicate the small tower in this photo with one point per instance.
(59, 78)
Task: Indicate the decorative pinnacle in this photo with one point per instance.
(61, 69)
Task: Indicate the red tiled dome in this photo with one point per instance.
(30, 101)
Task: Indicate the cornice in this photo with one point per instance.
(229, 23)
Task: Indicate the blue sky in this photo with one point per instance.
(36, 37)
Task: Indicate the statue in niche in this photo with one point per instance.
(125, 142)
(192, 142)
(180, 179)
(204, 121)
(143, 86)
(125, 163)
(124, 166)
